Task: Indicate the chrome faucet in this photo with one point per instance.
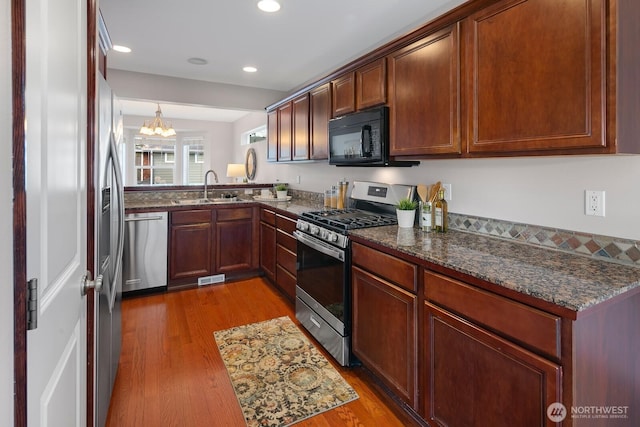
(206, 175)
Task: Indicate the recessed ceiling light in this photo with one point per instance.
(250, 69)
(122, 49)
(197, 61)
(269, 5)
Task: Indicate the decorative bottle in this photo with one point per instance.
(426, 216)
(441, 213)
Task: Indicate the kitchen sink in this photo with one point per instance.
(213, 201)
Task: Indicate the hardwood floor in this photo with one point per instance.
(171, 373)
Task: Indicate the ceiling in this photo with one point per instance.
(303, 41)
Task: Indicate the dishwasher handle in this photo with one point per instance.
(144, 218)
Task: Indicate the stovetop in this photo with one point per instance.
(349, 219)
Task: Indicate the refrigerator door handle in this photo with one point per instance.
(113, 150)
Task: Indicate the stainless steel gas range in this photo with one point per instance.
(323, 291)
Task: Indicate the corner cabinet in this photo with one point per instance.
(536, 76)
(424, 96)
(190, 246)
(235, 230)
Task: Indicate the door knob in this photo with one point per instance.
(87, 283)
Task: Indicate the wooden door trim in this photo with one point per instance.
(92, 70)
(18, 80)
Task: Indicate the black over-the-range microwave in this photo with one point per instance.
(362, 139)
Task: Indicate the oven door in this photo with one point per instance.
(322, 295)
(322, 280)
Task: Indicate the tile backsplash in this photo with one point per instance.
(604, 247)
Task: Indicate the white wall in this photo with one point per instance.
(546, 191)
(6, 220)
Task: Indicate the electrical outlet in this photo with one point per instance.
(447, 192)
(594, 203)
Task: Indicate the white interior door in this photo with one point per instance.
(56, 99)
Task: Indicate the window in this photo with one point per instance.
(154, 161)
(193, 161)
(254, 135)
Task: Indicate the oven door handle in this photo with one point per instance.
(319, 245)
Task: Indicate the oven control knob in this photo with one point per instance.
(332, 237)
(314, 230)
(323, 234)
(303, 226)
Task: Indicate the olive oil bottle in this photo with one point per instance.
(440, 213)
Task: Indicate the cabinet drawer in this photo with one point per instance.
(286, 224)
(191, 217)
(268, 216)
(287, 282)
(286, 240)
(401, 272)
(526, 325)
(286, 259)
(234, 214)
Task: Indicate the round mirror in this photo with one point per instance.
(250, 164)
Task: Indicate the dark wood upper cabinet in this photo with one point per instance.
(300, 127)
(272, 136)
(536, 76)
(371, 84)
(503, 78)
(320, 113)
(285, 119)
(343, 95)
(424, 96)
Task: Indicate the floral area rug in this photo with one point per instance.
(279, 377)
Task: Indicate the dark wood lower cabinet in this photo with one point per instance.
(384, 335)
(235, 249)
(204, 242)
(476, 378)
(268, 243)
(190, 246)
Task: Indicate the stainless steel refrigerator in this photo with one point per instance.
(109, 220)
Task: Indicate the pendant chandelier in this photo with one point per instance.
(157, 126)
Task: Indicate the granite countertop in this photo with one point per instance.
(571, 281)
(294, 206)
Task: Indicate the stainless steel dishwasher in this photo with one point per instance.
(145, 251)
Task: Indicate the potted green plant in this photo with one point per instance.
(406, 211)
(281, 191)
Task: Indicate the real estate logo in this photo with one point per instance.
(556, 412)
